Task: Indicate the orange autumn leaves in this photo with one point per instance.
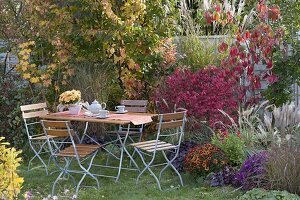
(40, 74)
(204, 159)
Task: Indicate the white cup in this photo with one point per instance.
(103, 114)
(120, 109)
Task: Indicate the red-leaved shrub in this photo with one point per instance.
(202, 93)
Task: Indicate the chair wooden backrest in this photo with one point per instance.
(57, 128)
(31, 114)
(138, 106)
(34, 110)
(171, 120)
(175, 123)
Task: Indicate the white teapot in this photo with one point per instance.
(95, 107)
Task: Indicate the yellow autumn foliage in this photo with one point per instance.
(10, 181)
(38, 74)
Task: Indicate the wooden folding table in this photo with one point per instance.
(117, 119)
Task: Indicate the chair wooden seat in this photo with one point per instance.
(174, 122)
(83, 150)
(150, 145)
(80, 152)
(43, 137)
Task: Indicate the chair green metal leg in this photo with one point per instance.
(147, 167)
(169, 164)
(37, 155)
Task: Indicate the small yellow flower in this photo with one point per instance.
(34, 80)
(23, 45)
(33, 65)
(19, 180)
(52, 66)
(24, 68)
(31, 43)
(25, 57)
(21, 53)
(22, 62)
(26, 75)
(27, 51)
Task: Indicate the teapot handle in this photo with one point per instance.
(103, 107)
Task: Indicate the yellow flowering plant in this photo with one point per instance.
(10, 181)
(70, 97)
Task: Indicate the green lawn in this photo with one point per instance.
(40, 186)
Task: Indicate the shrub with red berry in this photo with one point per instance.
(203, 159)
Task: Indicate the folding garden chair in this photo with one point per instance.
(36, 137)
(136, 106)
(135, 132)
(84, 154)
(170, 131)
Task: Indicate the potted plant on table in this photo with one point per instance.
(71, 100)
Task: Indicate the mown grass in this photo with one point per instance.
(39, 184)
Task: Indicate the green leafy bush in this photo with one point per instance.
(288, 72)
(256, 194)
(232, 145)
(255, 135)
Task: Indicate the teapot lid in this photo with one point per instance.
(95, 102)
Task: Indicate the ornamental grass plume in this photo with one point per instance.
(282, 168)
(283, 118)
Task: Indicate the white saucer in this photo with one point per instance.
(125, 111)
(90, 114)
(102, 117)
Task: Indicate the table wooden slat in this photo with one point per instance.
(54, 116)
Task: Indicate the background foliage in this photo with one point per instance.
(70, 44)
(286, 64)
